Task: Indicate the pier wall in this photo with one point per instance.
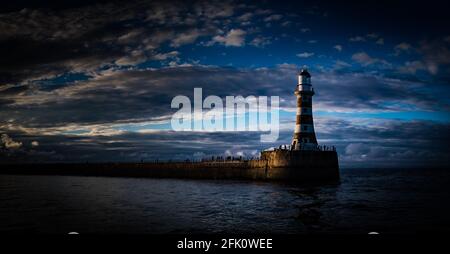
(280, 165)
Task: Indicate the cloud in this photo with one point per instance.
(110, 116)
(431, 56)
(165, 56)
(214, 9)
(357, 39)
(368, 92)
(364, 59)
(436, 55)
(273, 17)
(338, 47)
(260, 41)
(305, 54)
(341, 65)
(235, 38)
(304, 30)
(135, 57)
(187, 37)
(372, 35)
(363, 142)
(121, 99)
(402, 47)
(355, 148)
(245, 17)
(368, 144)
(8, 143)
(40, 44)
(411, 67)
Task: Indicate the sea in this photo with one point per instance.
(386, 201)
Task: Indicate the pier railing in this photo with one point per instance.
(235, 159)
(307, 147)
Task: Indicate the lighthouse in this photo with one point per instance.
(304, 135)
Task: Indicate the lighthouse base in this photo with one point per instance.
(301, 165)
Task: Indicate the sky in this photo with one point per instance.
(93, 81)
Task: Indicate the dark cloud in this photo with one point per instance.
(436, 55)
(417, 144)
(139, 96)
(127, 95)
(44, 42)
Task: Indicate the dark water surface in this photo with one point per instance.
(382, 200)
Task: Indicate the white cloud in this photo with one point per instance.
(165, 56)
(186, 38)
(130, 36)
(305, 54)
(235, 38)
(135, 57)
(341, 64)
(380, 41)
(139, 56)
(260, 41)
(338, 47)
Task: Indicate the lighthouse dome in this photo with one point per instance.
(304, 72)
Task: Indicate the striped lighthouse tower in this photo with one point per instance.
(304, 135)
